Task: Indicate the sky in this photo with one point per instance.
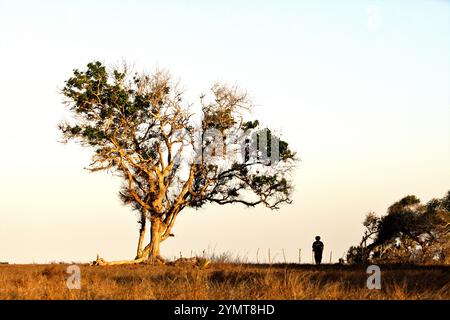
(360, 90)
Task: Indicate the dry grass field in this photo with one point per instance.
(223, 281)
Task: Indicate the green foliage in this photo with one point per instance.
(395, 223)
(408, 217)
(404, 204)
(401, 218)
(260, 183)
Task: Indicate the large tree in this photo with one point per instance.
(140, 128)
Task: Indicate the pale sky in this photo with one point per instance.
(360, 89)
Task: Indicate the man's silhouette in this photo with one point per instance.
(317, 249)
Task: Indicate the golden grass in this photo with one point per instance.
(223, 281)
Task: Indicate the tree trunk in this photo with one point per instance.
(159, 231)
(156, 229)
(143, 223)
(150, 254)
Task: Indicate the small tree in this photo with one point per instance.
(409, 232)
(141, 129)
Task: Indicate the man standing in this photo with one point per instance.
(317, 249)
